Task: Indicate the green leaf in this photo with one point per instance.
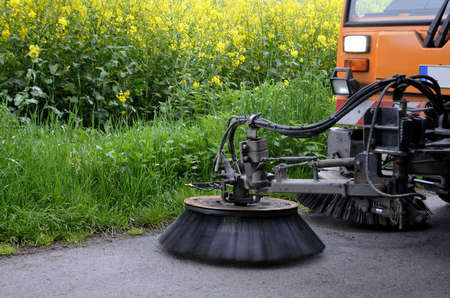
(19, 98)
(31, 74)
(53, 69)
(55, 110)
(31, 101)
(69, 87)
(98, 96)
(37, 92)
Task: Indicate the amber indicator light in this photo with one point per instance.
(357, 64)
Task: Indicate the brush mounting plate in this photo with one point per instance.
(267, 207)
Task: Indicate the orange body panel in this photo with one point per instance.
(393, 50)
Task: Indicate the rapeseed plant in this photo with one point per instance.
(123, 96)
(34, 51)
(148, 46)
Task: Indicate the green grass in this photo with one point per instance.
(62, 182)
(8, 249)
(135, 231)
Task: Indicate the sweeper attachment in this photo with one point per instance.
(270, 231)
(369, 179)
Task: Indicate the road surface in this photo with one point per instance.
(356, 263)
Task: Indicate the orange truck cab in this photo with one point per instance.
(381, 38)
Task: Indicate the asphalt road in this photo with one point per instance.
(356, 263)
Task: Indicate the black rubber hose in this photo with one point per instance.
(308, 131)
(356, 99)
(318, 127)
(425, 84)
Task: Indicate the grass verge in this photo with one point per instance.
(7, 249)
(61, 182)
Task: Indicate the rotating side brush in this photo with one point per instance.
(268, 232)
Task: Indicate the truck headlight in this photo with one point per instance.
(343, 85)
(340, 86)
(356, 44)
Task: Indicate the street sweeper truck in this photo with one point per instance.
(392, 88)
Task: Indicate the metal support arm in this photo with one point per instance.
(345, 187)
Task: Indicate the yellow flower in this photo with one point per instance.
(196, 85)
(62, 22)
(123, 113)
(31, 14)
(242, 59)
(221, 47)
(256, 68)
(217, 80)
(123, 96)
(286, 83)
(322, 39)
(6, 33)
(15, 3)
(282, 47)
(34, 51)
(66, 9)
(256, 88)
(23, 33)
(235, 63)
(301, 60)
(133, 29)
(294, 53)
(181, 27)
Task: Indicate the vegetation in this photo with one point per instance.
(103, 59)
(110, 107)
(8, 249)
(58, 180)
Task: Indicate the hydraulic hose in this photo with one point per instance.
(424, 84)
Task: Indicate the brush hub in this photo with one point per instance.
(267, 207)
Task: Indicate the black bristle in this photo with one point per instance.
(222, 238)
(340, 207)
